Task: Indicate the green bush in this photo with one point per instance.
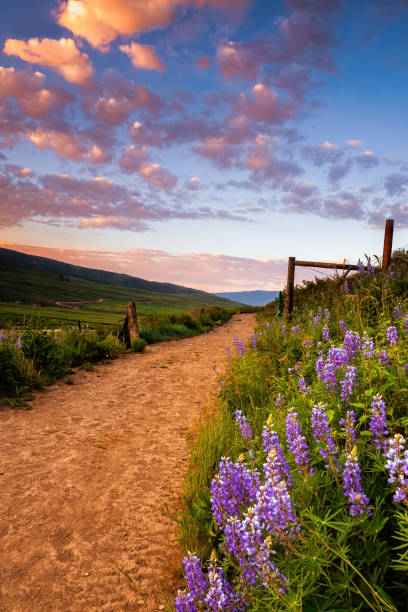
(138, 345)
(43, 350)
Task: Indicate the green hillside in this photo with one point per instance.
(33, 293)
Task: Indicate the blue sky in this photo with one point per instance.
(203, 142)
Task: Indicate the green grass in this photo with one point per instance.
(37, 292)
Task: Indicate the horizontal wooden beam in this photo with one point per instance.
(325, 264)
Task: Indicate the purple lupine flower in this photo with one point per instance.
(280, 400)
(348, 383)
(352, 343)
(397, 312)
(397, 465)
(328, 376)
(338, 355)
(324, 437)
(370, 268)
(297, 443)
(243, 539)
(343, 326)
(406, 367)
(253, 338)
(222, 384)
(326, 333)
(234, 486)
(295, 329)
(184, 602)
(273, 503)
(220, 595)
(270, 441)
(384, 358)
(361, 267)
(378, 423)
(406, 324)
(392, 335)
(228, 351)
(303, 388)
(239, 346)
(283, 330)
(368, 346)
(327, 314)
(346, 287)
(298, 368)
(268, 326)
(19, 342)
(307, 342)
(352, 486)
(349, 430)
(194, 576)
(243, 424)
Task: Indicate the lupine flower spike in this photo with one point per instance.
(297, 443)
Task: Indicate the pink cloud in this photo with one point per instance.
(326, 153)
(143, 56)
(136, 159)
(61, 55)
(64, 143)
(101, 21)
(204, 62)
(133, 157)
(98, 202)
(354, 143)
(264, 105)
(28, 89)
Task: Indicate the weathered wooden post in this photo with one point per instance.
(289, 287)
(79, 326)
(132, 321)
(389, 230)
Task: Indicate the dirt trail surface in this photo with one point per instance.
(89, 477)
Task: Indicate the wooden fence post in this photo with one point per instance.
(132, 321)
(389, 230)
(289, 287)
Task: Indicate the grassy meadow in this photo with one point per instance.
(37, 293)
(297, 493)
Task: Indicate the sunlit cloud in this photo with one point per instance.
(60, 55)
(143, 56)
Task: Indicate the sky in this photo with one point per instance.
(203, 142)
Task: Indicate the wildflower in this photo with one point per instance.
(406, 324)
(383, 358)
(222, 384)
(283, 330)
(228, 351)
(295, 330)
(280, 400)
(243, 425)
(348, 429)
(297, 443)
(328, 375)
(194, 576)
(343, 326)
(348, 383)
(234, 486)
(239, 346)
(397, 465)
(368, 346)
(268, 326)
(361, 268)
(326, 333)
(324, 437)
(392, 335)
(298, 368)
(303, 388)
(253, 338)
(352, 485)
(270, 441)
(378, 424)
(397, 313)
(346, 288)
(327, 314)
(352, 343)
(370, 268)
(19, 342)
(220, 594)
(307, 342)
(273, 504)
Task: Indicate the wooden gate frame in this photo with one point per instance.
(292, 262)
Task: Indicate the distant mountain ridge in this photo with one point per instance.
(16, 259)
(250, 298)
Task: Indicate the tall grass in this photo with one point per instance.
(328, 555)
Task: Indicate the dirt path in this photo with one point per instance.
(89, 477)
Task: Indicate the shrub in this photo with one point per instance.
(43, 350)
(138, 345)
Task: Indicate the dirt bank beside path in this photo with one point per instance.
(89, 477)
